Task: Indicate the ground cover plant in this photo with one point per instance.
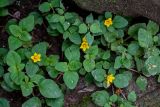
(105, 50)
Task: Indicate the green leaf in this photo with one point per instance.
(127, 63)
(16, 68)
(49, 89)
(113, 98)
(106, 65)
(100, 98)
(4, 3)
(153, 51)
(108, 15)
(1, 71)
(61, 66)
(74, 65)
(6, 87)
(71, 16)
(133, 30)
(118, 62)
(77, 22)
(59, 27)
(89, 65)
(24, 52)
(36, 78)
(82, 71)
(31, 68)
(106, 55)
(145, 38)
(82, 28)
(65, 45)
(121, 80)
(27, 23)
(89, 19)
(14, 43)
(75, 38)
(66, 25)
(60, 11)
(139, 64)
(32, 102)
(89, 38)
(13, 58)
(27, 88)
(53, 18)
(152, 65)
(107, 105)
(95, 27)
(110, 36)
(17, 77)
(126, 104)
(40, 48)
(25, 36)
(51, 60)
(52, 72)
(99, 65)
(152, 27)
(134, 49)
(38, 20)
(9, 82)
(141, 83)
(93, 51)
(52, 32)
(4, 102)
(119, 22)
(3, 12)
(132, 96)
(45, 7)
(55, 3)
(66, 35)
(58, 102)
(99, 74)
(72, 53)
(73, 29)
(71, 79)
(15, 30)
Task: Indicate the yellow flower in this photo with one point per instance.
(84, 46)
(108, 22)
(109, 79)
(36, 57)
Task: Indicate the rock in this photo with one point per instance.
(149, 97)
(135, 8)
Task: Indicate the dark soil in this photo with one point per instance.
(15, 98)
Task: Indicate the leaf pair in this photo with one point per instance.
(20, 33)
